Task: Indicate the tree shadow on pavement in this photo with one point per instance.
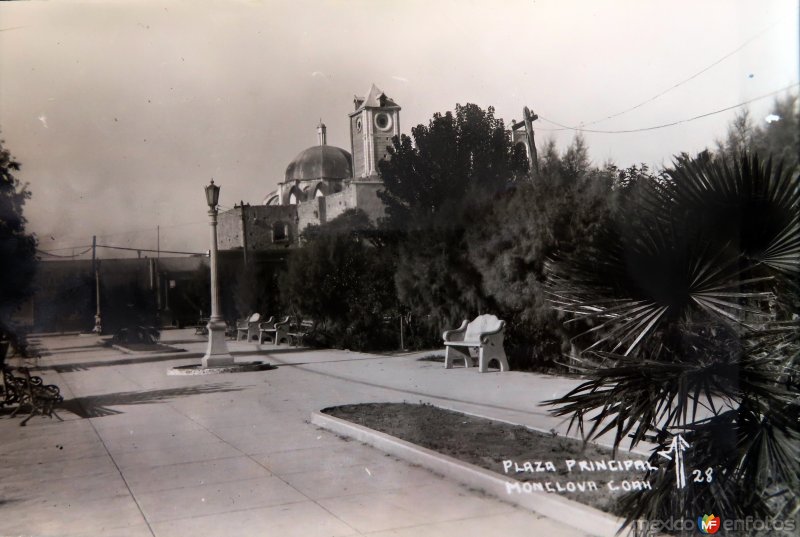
(73, 367)
(96, 406)
(74, 348)
(128, 360)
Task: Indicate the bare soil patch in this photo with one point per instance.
(488, 443)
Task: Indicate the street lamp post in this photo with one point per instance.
(98, 321)
(217, 354)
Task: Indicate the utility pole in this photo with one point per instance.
(528, 118)
(98, 323)
(244, 231)
(158, 269)
(98, 327)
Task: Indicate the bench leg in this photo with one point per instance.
(44, 408)
(19, 407)
(34, 410)
(456, 353)
(486, 355)
(281, 336)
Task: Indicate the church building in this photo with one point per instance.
(321, 182)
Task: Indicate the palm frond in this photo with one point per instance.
(713, 238)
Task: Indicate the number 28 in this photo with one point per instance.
(700, 477)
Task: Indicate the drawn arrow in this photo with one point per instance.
(677, 447)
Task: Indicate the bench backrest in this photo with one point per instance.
(481, 324)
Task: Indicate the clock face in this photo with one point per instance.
(359, 126)
(383, 121)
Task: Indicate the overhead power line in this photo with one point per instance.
(136, 230)
(684, 81)
(147, 250)
(89, 248)
(671, 124)
(64, 256)
(64, 248)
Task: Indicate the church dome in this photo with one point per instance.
(320, 162)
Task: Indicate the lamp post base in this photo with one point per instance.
(217, 354)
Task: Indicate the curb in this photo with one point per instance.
(574, 514)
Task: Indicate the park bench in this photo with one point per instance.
(201, 328)
(485, 333)
(248, 327)
(275, 331)
(11, 386)
(299, 329)
(33, 392)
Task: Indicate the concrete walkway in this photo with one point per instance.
(141, 453)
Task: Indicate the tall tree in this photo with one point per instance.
(17, 248)
(777, 135)
(344, 284)
(436, 183)
(429, 181)
(561, 211)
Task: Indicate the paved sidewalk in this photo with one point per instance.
(141, 453)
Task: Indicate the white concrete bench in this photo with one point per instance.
(485, 333)
(248, 328)
(276, 331)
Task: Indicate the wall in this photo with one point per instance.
(259, 225)
(336, 204)
(229, 229)
(310, 212)
(65, 292)
(357, 149)
(366, 199)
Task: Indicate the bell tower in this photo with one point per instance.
(373, 123)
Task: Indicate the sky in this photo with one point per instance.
(121, 111)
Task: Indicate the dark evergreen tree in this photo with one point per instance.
(433, 180)
(17, 249)
(777, 135)
(437, 183)
(345, 284)
(561, 211)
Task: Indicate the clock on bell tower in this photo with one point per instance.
(374, 122)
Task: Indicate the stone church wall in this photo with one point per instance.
(267, 227)
(270, 226)
(229, 229)
(310, 212)
(366, 199)
(336, 204)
